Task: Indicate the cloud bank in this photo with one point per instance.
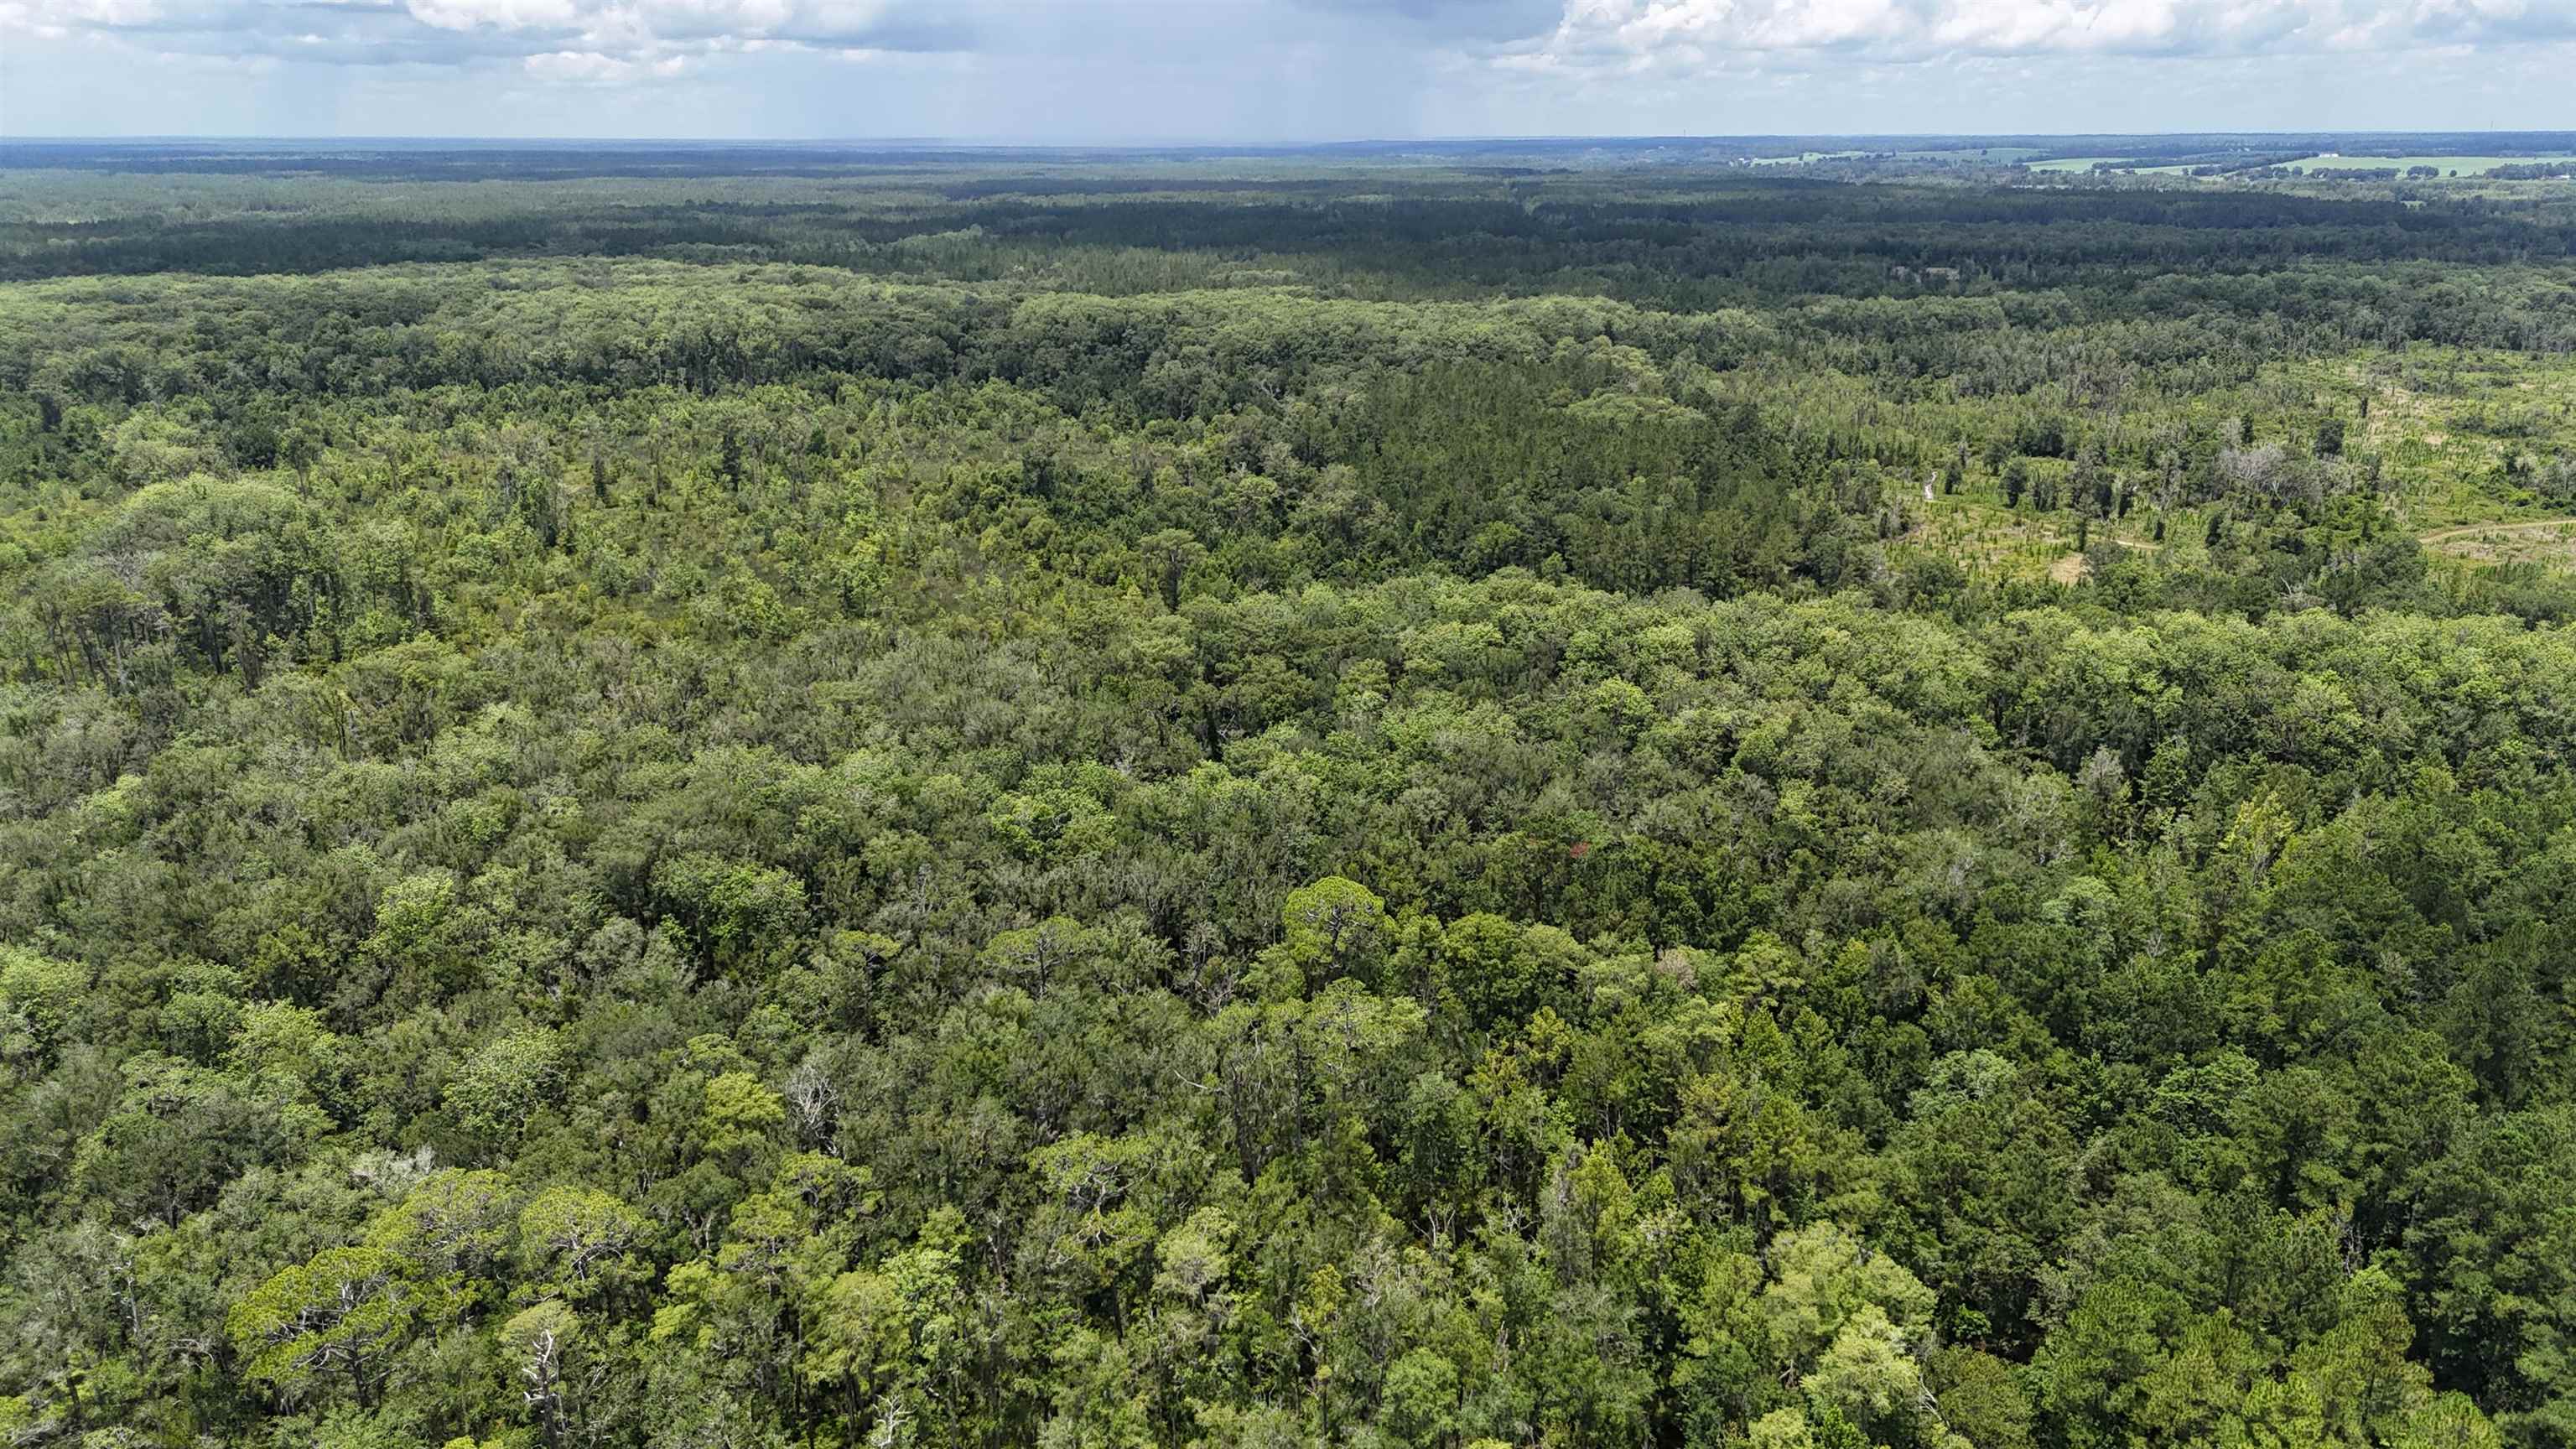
(1667, 31)
(1173, 68)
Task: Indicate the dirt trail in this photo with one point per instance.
(2527, 526)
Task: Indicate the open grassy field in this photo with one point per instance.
(1999, 155)
(2547, 541)
(2462, 434)
(1991, 541)
(2463, 437)
(1805, 157)
(2449, 165)
(2087, 163)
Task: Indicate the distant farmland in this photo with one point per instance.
(2447, 165)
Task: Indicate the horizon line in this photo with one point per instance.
(1174, 143)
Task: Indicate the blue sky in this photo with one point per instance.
(1229, 70)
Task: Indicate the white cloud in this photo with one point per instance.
(62, 17)
(499, 14)
(671, 21)
(1126, 69)
(606, 40)
(1650, 35)
(589, 67)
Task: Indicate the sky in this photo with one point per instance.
(1093, 71)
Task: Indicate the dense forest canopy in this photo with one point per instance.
(1542, 795)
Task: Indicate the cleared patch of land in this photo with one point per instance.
(2448, 165)
(2465, 437)
(1804, 157)
(2549, 541)
(1993, 541)
(2087, 163)
(2001, 155)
